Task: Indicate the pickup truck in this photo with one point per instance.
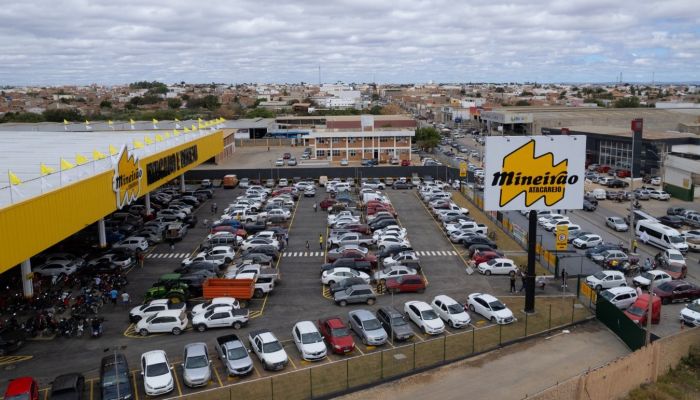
(221, 317)
(259, 270)
(263, 284)
(268, 349)
(467, 226)
(233, 353)
(351, 238)
(154, 306)
(253, 216)
(362, 266)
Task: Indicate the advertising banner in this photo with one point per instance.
(562, 234)
(462, 169)
(534, 172)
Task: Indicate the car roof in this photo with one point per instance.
(420, 305)
(486, 297)
(391, 311)
(19, 385)
(154, 356)
(221, 248)
(445, 299)
(66, 381)
(169, 313)
(158, 301)
(612, 272)
(362, 314)
(196, 349)
(334, 322)
(621, 289)
(306, 326)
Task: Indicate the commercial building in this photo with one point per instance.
(56, 183)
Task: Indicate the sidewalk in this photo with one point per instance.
(513, 372)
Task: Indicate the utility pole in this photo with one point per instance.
(647, 340)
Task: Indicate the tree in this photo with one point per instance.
(390, 109)
(105, 104)
(22, 117)
(427, 137)
(500, 90)
(260, 113)
(525, 93)
(478, 94)
(174, 102)
(375, 110)
(627, 102)
(58, 115)
(562, 95)
(375, 97)
(522, 103)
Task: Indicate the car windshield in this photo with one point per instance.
(110, 378)
(272, 347)
(648, 275)
(455, 309)
(599, 275)
(237, 353)
(371, 324)
(666, 286)
(152, 317)
(209, 313)
(157, 369)
(311, 337)
(427, 315)
(607, 295)
(497, 305)
(397, 321)
(673, 268)
(636, 310)
(491, 262)
(339, 332)
(196, 362)
(676, 239)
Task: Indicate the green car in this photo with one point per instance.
(169, 287)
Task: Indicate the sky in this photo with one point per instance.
(49, 42)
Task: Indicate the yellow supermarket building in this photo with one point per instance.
(55, 183)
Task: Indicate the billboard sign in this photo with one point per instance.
(534, 172)
(462, 169)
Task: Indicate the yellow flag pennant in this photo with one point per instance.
(45, 170)
(177, 120)
(199, 120)
(87, 122)
(65, 122)
(187, 130)
(194, 128)
(155, 121)
(96, 155)
(148, 140)
(167, 135)
(159, 138)
(14, 180)
(176, 132)
(137, 144)
(131, 121)
(112, 150)
(65, 164)
(109, 122)
(81, 159)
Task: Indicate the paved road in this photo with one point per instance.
(501, 375)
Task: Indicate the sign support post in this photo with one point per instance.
(530, 278)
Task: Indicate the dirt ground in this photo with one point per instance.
(512, 372)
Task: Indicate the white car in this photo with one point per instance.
(400, 258)
(201, 257)
(587, 241)
(389, 241)
(424, 317)
(659, 195)
(622, 297)
(490, 308)
(133, 243)
(309, 341)
(153, 307)
(347, 215)
(450, 311)
(279, 213)
(392, 272)
(606, 279)
(340, 273)
(655, 275)
(269, 350)
(220, 316)
(498, 266)
(215, 302)
(616, 223)
(283, 182)
(157, 373)
(656, 180)
(255, 242)
(279, 162)
(171, 213)
(56, 267)
(173, 321)
(690, 315)
(543, 218)
(552, 224)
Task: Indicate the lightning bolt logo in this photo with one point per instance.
(127, 179)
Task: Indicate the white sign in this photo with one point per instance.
(534, 172)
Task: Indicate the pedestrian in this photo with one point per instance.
(286, 239)
(315, 207)
(141, 258)
(512, 283)
(213, 208)
(320, 241)
(647, 264)
(644, 237)
(98, 280)
(307, 245)
(172, 244)
(634, 245)
(564, 277)
(125, 299)
(113, 294)
(523, 281)
(268, 148)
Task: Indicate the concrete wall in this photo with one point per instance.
(617, 378)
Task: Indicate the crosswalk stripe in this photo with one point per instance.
(285, 254)
(150, 255)
(454, 253)
(304, 254)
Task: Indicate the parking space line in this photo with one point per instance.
(256, 372)
(290, 360)
(441, 231)
(177, 381)
(218, 378)
(91, 388)
(359, 349)
(14, 359)
(46, 393)
(136, 388)
(418, 335)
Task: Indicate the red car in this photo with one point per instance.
(677, 291)
(336, 334)
(24, 388)
(359, 228)
(405, 163)
(406, 283)
(229, 228)
(484, 256)
(623, 173)
(287, 156)
(327, 203)
(356, 255)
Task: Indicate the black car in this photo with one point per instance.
(383, 222)
(10, 340)
(478, 239)
(68, 387)
(390, 251)
(394, 323)
(588, 206)
(195, 281)
(271, 251)
(198, 266)
(673, 221)
(617, 183)
(591, 199)
(345, 283)
(601, 248)
(115, 382)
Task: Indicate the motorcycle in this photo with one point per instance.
(96, 328)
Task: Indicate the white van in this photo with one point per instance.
(599, 194)
(661, 236)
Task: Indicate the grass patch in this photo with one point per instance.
(682, 382)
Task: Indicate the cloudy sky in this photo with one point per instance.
(112, 42)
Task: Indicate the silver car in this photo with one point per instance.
(367, 327)
(196, 366)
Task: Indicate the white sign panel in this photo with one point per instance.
(534, 172)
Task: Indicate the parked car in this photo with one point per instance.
(115, 378)
(196, 365)
(173, 321)
(498, 266)
(450, 311)
(268, 349)
(153, 307)
(424, 317)
(23, 388)
(309, 341)
(677, 291)
(367, 327)
(673, 221)
(606, 279)
(336, 334)
(234, 355)
(67, 387)
(490, 308)
(222, 316)
(406, 283)
(157, 373)
(355, 294)
(655, 275)
(622, 297)
(638, 311)
(394, 323)
(587, 241)
(690, 315)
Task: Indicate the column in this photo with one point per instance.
(182, 183)
(331, 148)
(102, 234)
(27, 285)
(148, 203)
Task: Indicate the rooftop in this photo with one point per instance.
(626, 132)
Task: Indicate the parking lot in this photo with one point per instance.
(300, 296)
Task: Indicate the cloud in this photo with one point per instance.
(79, 42)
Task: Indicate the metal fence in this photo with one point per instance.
(437, 172)
(355, 373)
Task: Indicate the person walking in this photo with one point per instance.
(172, 244)
(125, 299)
(214, 207)
(141, 258)
(512, 283)
(113, 294)
(634, 245)
(286, 239)
(523, 281)
(307, 245)
(564, 277)
(314, 207)
(320, 241)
